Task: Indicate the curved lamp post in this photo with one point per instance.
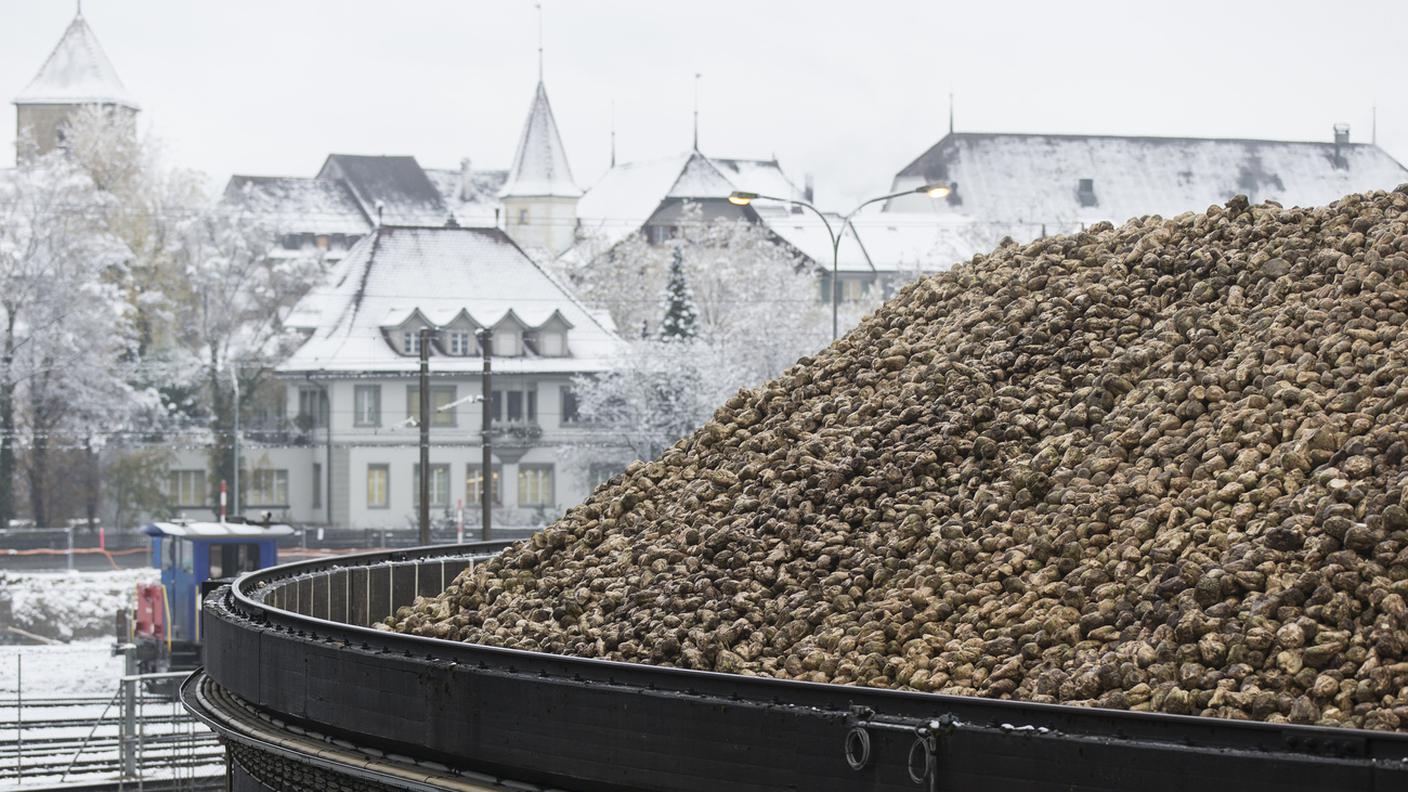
(741, 198)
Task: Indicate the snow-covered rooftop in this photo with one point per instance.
(628, 194)
(395, 187)
(540, 164)
(299, 205)
(394, 272)
(350, 191)
(1035, 178)
(474, 204)
(77, 72)
(889, 242)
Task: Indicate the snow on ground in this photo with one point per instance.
(70, 605)
(82, 668)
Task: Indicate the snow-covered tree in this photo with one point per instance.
(754, 313)
(65, 368)
(680, 316)
(233, 293)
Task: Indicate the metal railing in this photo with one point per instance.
(141, 735)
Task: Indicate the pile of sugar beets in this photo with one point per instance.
(1157, 467)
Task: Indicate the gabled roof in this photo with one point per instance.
(299, 205)
(396, 271)
(628, 194)
(700, 179)
(475, 206)
(540, 164)
(1036, 178)
(77, 72)
(398, 185)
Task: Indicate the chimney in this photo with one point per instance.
(1341, 140)
(466, 182)
(809, 190)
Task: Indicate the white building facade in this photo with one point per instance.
(351, 459)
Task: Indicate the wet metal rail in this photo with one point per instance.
(293, 643)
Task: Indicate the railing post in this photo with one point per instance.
(128, 729)
(19, 718)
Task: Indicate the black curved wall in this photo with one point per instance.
(290, 641)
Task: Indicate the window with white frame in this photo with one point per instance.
(535, 486)
(474, 485)
(410, 341)
(312, 408)
(571, 411)
(515, 406)
(552, 343)
(367, 405)
(440, 397)
(267, 487)
(508, 342)
(459, 342)
(378, 486)
(186, 488)
(439, 486)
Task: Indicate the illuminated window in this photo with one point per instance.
(535, 485)
(378, 486)
(186, 488)
(474, 485)
(268, 487)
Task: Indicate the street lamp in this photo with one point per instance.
(933, 190)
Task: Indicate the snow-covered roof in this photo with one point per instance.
(215, 530)
(1034, 178)
(540, 164)
(764, 177)
(394, 186)
(299, 205)
(77, 72)
(700, 179)
(394, 272)
(628, 194)
(889, 242)
(475, 206)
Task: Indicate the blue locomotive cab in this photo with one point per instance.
(166, 627)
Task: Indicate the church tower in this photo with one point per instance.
(539, 197)
(77, 73)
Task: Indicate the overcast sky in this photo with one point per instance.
(848, 91)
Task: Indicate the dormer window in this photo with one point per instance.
(459, 342)
(410, 342)
(508, 342)
(548, 343)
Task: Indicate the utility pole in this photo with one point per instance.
(235, 496)
(425, 436)
(486, 487)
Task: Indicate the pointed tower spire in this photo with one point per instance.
(540, 164)
(696, 111)
(950, 112)
(77, 72)
(539, 6)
